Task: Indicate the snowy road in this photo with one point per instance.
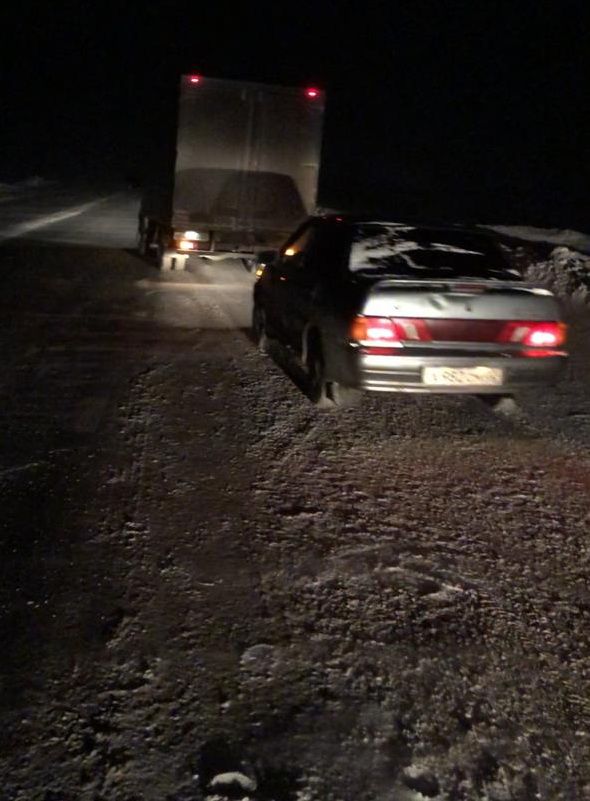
(200, 573)
(63, 215)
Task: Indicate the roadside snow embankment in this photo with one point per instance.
(563, 268)
(576, 240)
(566, 273)
(9, 191)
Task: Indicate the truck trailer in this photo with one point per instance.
(240, 173)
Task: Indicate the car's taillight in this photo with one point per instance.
(378, 331)
(535, 334)
(548, 335)
(388, 331)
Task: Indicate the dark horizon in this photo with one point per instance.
(474, 114)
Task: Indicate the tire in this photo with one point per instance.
(259, 329)
(142, 247)
(162, 259)
(343, 397)
(143, 239)
(168, 260)
(317, 388)
(327, 394)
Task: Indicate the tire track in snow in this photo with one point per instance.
(433, 580)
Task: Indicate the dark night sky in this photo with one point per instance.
(444, 108)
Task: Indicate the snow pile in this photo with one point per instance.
(234, 780)
(36, 182)
(553, 236)
(10, 190)
(7, 191)
(566, 273)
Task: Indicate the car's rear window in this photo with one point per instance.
(405, 251)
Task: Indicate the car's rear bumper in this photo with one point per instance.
(405, 373)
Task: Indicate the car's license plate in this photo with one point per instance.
(454, 376)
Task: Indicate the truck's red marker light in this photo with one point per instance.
(312, 92)
(195, 79)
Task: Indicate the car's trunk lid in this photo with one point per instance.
(453, 307)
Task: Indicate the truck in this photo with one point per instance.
(239, 173)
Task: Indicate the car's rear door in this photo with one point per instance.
(311, 278)
(274, 280)
(294, 283)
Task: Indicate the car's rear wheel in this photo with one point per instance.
(317, 388)
(259, 331)
(322, 393)
(342, 396)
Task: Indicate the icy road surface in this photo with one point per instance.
(205, 580)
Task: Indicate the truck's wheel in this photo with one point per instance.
(163, 259)
(142, 243)
(170, 259)
(144, 240)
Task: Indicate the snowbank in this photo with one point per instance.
(10, 190)
(7, 191)
(36, 182)
(566, 272)
(564, 269)
(553, 236)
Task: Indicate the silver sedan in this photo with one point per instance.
(372, 305)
